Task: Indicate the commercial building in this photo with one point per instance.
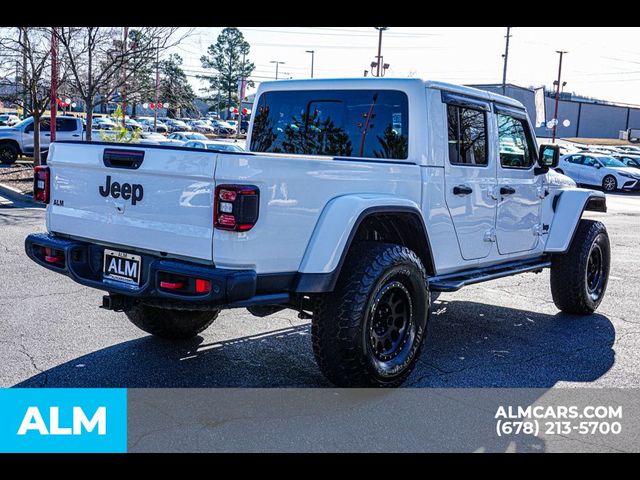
(576, 117)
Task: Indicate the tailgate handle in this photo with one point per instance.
(119, 158)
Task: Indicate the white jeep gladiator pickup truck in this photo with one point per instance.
(355, 200)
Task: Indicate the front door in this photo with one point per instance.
(519, 190)
(470, 177)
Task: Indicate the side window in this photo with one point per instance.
(467, 136)
(575, 159)
(45, 125)
(589, 161)
(516, 144)
(65, 124)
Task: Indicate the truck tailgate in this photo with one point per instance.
(163, 205)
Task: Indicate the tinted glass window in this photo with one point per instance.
(467, 136)
(65, 124)
(516, 144)
(575, 159)
(348, 123)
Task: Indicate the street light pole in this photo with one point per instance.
(124, 77)
(379, 57)
(277, 65)
(155, 110)
(241, 91)
(54, 87)
(312, 52)
(555, 113)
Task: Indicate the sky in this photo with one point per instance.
(602, 62)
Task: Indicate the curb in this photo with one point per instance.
(17, 196)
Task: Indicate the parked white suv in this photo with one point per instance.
(355, 200)
(601, 170)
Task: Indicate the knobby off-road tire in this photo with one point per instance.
(170, 324)
(579, 278)
(370, 329)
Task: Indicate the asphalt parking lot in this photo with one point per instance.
(505, 333)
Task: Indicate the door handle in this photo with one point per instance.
(462, 190)
(47, 134)
(75, 135)
(507, 190)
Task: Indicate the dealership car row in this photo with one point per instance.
(612, 168)
(165, 125)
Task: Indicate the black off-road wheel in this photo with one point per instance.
(370, 329)
(170, 324)
(579, 278)
(8, 153)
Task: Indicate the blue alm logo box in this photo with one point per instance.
(63, 420)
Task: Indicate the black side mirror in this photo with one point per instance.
(548, 157)
(598, 166)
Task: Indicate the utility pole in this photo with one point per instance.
(312, 52)
(379, 57)
(506, 58)
(555, 113)
(54, 85)
(157, 99)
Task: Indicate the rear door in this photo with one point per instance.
(470, 175)
(68, 129)
(519, 189)
(156, 199)
(589, 173)
(572, 167)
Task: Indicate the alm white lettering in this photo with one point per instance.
(33, 421)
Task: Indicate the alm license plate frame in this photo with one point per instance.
(120, 267)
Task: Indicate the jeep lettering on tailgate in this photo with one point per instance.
(127, 191)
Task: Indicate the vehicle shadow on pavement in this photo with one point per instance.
(467, 345)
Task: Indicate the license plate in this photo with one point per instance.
(122, 267)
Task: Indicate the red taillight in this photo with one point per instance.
(41, 184)
(53, 256)
(172, 285)
(227, 195)
(236, 207)
(203, 286)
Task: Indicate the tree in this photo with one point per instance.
(141, 86)
(174, 85)
(228, 56)
(30, 47)
(101, 63)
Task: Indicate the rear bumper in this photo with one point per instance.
(83, 263)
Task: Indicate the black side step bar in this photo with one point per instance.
(455, 281)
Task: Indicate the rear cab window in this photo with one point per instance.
(337, 123)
